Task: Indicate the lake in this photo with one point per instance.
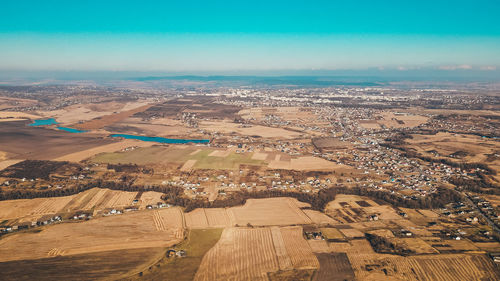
(44, 122)
(71, 130)
(158, 139)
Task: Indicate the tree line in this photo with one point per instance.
(175, 195)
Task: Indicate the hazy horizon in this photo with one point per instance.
(228, 37)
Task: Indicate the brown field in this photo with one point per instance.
(349, 199)
(352, 233)
(306, 163)
(149, 198)
(157, 127)
(255, 130)
(15, 115)
(488, 246)
(456, 245)
(188, 165)
(292, 114)
(84, 112)
(6, 163)
(107, 120)
(92, 266)
(127, 231)
(354, 209)
(250, 253)
(429, 213)
(392, 120)
(25, 142)
(217, 217)
(415, 244)
(331, 233)
(284, 261)
(298, 249)
(94, 200)
(319, 218)
(3, 156)
(205, 218)
(448, 143)
(257, 212)
(385, 233)
(196, 219)
(31, 209)
(408, 120)
(333, 267)
(358, 246)
(112, 147)
(329, 144)
(420, 230)
(319, 246)
(425, 267)
(476, 149)
(269, 211)
(240, 254)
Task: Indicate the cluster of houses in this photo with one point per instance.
(314, 235)
(44, 220)
(158, 205)
(487, 209)
(176, 253)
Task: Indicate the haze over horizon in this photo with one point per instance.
(228, 37)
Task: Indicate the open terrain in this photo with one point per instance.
(25, 142)
(127, 231)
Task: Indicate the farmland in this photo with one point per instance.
(23, 142)
(198, 242)
(442, 267)
(261, 131)
(102, 121)
(95, 201)
(387, 181)
(180, 155)
(258, 212)
(88, 111)
(127, 231)
(333, 267)
(250, 253)
(394, 120)
(92, 266)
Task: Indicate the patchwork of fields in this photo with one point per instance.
(91, 201)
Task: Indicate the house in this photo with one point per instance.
(25, 225)
(495, 257)
(406, 232)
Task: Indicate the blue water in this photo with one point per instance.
(71, 130)
(44, 122)
(158, 139)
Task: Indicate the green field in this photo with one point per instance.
(162, 154)
(146, 155)
(199, 241)
(231, 162)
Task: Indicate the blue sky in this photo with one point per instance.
(249, 35)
